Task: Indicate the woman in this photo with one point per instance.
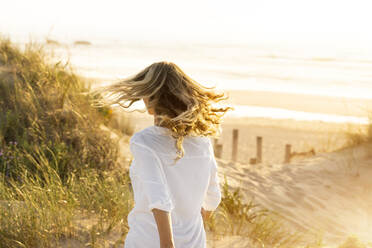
(174, 172)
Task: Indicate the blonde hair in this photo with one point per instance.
(179, 102)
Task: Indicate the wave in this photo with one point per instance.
(279, 113)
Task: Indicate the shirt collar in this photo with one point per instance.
(162, 130)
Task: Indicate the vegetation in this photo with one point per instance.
(56, 162)
(360, 136)
(49, 106)
(264, 228)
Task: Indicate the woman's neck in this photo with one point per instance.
(156, 120)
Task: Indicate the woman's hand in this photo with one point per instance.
(164, 223)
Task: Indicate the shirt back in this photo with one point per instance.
(181, 188)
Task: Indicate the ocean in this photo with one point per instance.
(312, 71)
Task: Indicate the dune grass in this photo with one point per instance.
(48, 106)
(40, 211)
(361, 135)
(56, 164)
(234, 216)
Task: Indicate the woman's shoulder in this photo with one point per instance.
(146, 136)
(139, 137)
(152, 132)
(156, 138)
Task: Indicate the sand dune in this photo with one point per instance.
(228, 242)
(329, 193)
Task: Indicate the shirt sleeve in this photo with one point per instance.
(151, 177)
(213, 196)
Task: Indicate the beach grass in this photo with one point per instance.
(264, 228)
(57, 164)
(43, 211)
(360, 135)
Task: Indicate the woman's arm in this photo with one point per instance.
(205, 214)
(164, 223)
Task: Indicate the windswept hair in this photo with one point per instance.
(179, 102)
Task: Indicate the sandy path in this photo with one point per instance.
(329, 193)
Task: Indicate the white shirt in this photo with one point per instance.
(182, 188)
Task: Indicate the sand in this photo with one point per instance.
(327, 194)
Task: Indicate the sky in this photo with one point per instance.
(234, 20)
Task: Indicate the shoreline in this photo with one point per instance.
(331, 105)
(300, 125)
